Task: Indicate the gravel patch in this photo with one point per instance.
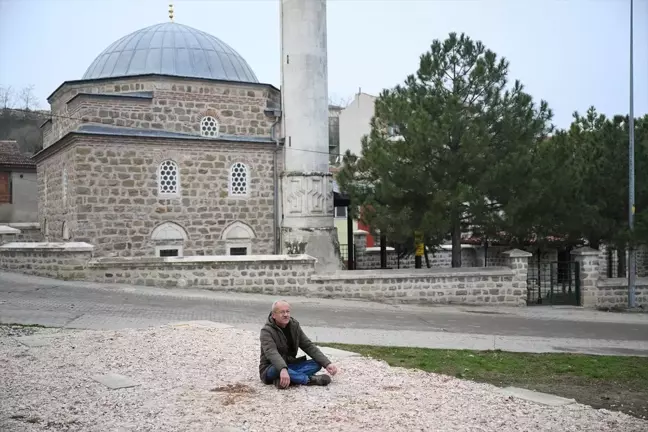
(199, 379)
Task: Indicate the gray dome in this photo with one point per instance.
(171, 49)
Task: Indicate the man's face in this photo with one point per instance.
(281, 314)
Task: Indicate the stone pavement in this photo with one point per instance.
(34, 300)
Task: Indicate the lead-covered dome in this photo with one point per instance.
(171, 49)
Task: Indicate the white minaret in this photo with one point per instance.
(306, 184)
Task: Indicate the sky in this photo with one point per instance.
(571, 53)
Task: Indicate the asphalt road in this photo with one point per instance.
(30, 300)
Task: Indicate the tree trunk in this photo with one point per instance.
(456, 240)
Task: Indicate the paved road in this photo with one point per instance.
(25, 299)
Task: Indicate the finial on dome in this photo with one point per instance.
(171, 11)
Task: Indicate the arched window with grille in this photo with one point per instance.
(239, 180)
(209, 127)
(168, 179)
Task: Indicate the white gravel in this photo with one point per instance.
(49, 388)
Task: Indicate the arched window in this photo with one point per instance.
(209, 127)
(169, 239)
(238, 239)
(239, 180)
(168, 179)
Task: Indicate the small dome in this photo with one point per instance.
(171, 49)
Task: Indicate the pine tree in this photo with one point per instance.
(462, 146)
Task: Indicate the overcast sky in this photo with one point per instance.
(572, 53)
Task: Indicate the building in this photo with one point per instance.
(18, 185)
(334, 134)
(165, 147)
(355, 122)
(351, 123)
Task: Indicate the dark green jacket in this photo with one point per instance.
(274, 347)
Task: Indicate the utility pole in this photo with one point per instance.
(632, 262)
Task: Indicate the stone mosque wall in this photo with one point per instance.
(106, 191)
(162, 103)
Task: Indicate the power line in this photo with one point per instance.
(85, 120)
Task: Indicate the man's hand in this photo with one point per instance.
(332, 369)
(284, 378)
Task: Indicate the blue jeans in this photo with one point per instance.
(299, 373)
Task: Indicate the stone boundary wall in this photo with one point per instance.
(65, 261)
(29, 232)
(614, 292)
(461, 286)
(263, 274)
(20, 232)
(597, 291)
(273, 274)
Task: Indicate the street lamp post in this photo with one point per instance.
(632, 262)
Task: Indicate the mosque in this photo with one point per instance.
(170, 146)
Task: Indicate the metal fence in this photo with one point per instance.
(556, 283)
(344, 251)
(612, 258)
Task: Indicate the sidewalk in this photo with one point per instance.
(479, 342)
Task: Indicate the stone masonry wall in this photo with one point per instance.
(272, 274)
(442, 259)
(113, 203)
(642, 261)
(178, 105)
(452, 286)
(47, 260)
(53, 209)
(495, 257)
(614, 292)
(29, 232)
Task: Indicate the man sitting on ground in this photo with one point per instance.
(281, 337)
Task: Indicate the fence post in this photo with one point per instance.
(588, 261)
(359, 252)
(518, 260)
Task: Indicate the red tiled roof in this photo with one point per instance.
(10, 156)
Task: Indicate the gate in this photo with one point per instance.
(554, 283)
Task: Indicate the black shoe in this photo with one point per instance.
(319, 380)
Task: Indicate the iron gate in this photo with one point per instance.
(554, 283)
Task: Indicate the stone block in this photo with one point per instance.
(537, 397)
(115, 381)
(35, 341)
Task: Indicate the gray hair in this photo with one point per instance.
(276, 303)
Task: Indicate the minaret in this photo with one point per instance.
(306, 184)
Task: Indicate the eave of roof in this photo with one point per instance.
(102, 130)
(129, 77)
